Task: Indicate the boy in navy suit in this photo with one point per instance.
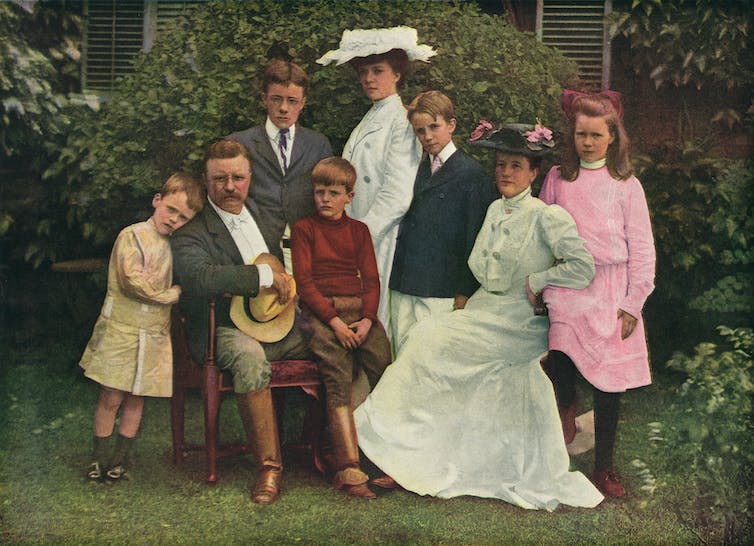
(451, 196)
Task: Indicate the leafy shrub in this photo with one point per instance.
(38, 58)
(703, 220)
(203, 79)
(706, 435)
(697, 42)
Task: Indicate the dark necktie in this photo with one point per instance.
(282, 145)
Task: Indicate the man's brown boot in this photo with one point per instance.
(260, 421)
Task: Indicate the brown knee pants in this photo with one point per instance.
(338, 365)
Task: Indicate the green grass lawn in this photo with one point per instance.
(46, 412)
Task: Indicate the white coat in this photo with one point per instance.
(385, 153)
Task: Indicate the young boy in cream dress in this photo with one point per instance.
(129, 353)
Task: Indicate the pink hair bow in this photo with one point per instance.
(569, 96)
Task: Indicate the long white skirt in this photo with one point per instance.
(467, 410)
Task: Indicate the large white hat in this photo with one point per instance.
(373, 41)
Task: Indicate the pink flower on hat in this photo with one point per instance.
(540, 134)
(482, 128)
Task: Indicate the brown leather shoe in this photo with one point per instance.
(385, 482)
(568, 420)
(354, 482)
(267, 488)
(608, 483)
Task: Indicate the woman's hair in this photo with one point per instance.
(334, 171)
(396, 58)
(534, 162)
(432, 103)
(184, 182)
(284, 73)
(618, 161)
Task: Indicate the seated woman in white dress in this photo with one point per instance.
(466, 409)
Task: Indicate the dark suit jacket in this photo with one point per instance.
(207, 264)
(438, 232)
(277, 199)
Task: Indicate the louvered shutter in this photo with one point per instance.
(577, 28)
(117, 30)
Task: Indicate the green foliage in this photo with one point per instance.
(202, 80)
(38, 67)
(31, 105)
(703, 220)
(690, 42)
(707, 431)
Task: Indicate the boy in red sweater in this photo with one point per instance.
(339, 286)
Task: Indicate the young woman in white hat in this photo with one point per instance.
(382, 147)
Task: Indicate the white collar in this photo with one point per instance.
(376, 105)
(228, 218)
(517, 200)
(594, 165)
(273, 132)
(445, 153)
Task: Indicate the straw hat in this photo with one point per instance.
(373, 41)
(263, 317)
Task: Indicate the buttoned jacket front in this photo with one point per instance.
(438, 232)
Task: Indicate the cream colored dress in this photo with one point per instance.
(466, 409)
(130, 348)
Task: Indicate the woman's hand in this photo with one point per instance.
(628, 323)
(361, 329)
(536, 300)
(459, 302)
(345, 335)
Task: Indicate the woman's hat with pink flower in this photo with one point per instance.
(515, 138)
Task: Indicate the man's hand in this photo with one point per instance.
(345, 335)
(361, 329)
(628, 325)
(281, 283)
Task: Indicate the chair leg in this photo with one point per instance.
(177, 421)
(211, 419)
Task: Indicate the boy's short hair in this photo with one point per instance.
(334, 171)
(284, 73)
(433, 103)
(225, 149)
(182, 181)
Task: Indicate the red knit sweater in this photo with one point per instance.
(334, 258)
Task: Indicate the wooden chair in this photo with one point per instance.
(215, 384)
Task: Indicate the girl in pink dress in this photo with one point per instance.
(599, 331)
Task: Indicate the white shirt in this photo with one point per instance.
(249, 241)
(273, 133)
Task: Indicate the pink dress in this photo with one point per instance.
(613, 218)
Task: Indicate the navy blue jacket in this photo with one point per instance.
(438, 232)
